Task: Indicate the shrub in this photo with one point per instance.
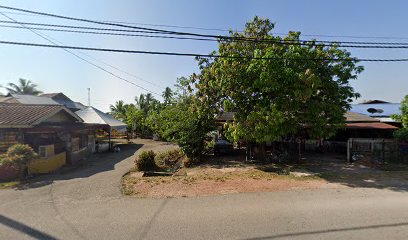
(145, 161)
(170, 159)
(401, 134)
(3, 159)
(20, 154)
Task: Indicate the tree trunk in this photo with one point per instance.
(261, 152)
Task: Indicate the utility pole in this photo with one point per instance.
(89, 97)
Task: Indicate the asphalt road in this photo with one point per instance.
(86, 204)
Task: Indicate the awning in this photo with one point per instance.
(91, 115)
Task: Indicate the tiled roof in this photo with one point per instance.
(20, 116)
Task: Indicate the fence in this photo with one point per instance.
(379, 150)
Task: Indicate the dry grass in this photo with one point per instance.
(202, 181)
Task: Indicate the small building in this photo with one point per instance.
(379, 110)
(57, 134)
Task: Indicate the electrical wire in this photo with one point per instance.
(176, 32)
(198, 55)
(305, 42)
(226, 30)
(83, 59)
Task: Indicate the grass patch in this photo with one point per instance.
(7, 185)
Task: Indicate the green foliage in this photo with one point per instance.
(168, 96)
(403, 117)
(278, 96)
(184, 125)
(18, 155)
(145, 161)
(24, 87)
(170, 159)
(401, 134)
(3, 159)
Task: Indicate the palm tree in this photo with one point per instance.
(167, 95)
(24, 87)
(119, 110)
(146, 102)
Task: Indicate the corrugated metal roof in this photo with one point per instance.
(29, 99)
(383, 109)
(92, 115)
(358, 117)
(20, 116)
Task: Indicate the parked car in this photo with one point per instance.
(223, 146)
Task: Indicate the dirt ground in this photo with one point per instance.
(231, 174)
(211, 181)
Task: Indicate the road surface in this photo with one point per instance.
(87, 204)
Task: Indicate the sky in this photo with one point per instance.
(55, 70)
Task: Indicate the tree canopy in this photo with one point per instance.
(402, 133)
(276, 89)
(23, 87)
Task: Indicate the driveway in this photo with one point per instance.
(86, 204)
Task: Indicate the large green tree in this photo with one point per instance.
(277, 86)
(402, 133)
(23, 87)
(183, 124)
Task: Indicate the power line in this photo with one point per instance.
(198, 55)
(83, 59)
(288, 42)
(181, 33)
(226, 30)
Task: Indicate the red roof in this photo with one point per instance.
(371, 125)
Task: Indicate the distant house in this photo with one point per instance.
(48, 98)
(56, 133)
(64, 100)
(378, 109)
(93, 119)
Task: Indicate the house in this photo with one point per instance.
(57, 134)
(60, 98)
(378, 109)
(104, 122)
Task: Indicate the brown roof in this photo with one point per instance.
(23, 116)
(371, 125)
(358, 117)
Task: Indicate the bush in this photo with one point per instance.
(3, 159)
(401, 134)
(20, 154)
(145, 161)
(171, 159)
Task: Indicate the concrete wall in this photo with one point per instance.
(8, 172)
(46, 165)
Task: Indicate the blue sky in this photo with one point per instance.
(54, 70)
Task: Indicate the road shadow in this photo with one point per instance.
(25, 229)
(335, 169)
(96, 163)
(332, 167)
